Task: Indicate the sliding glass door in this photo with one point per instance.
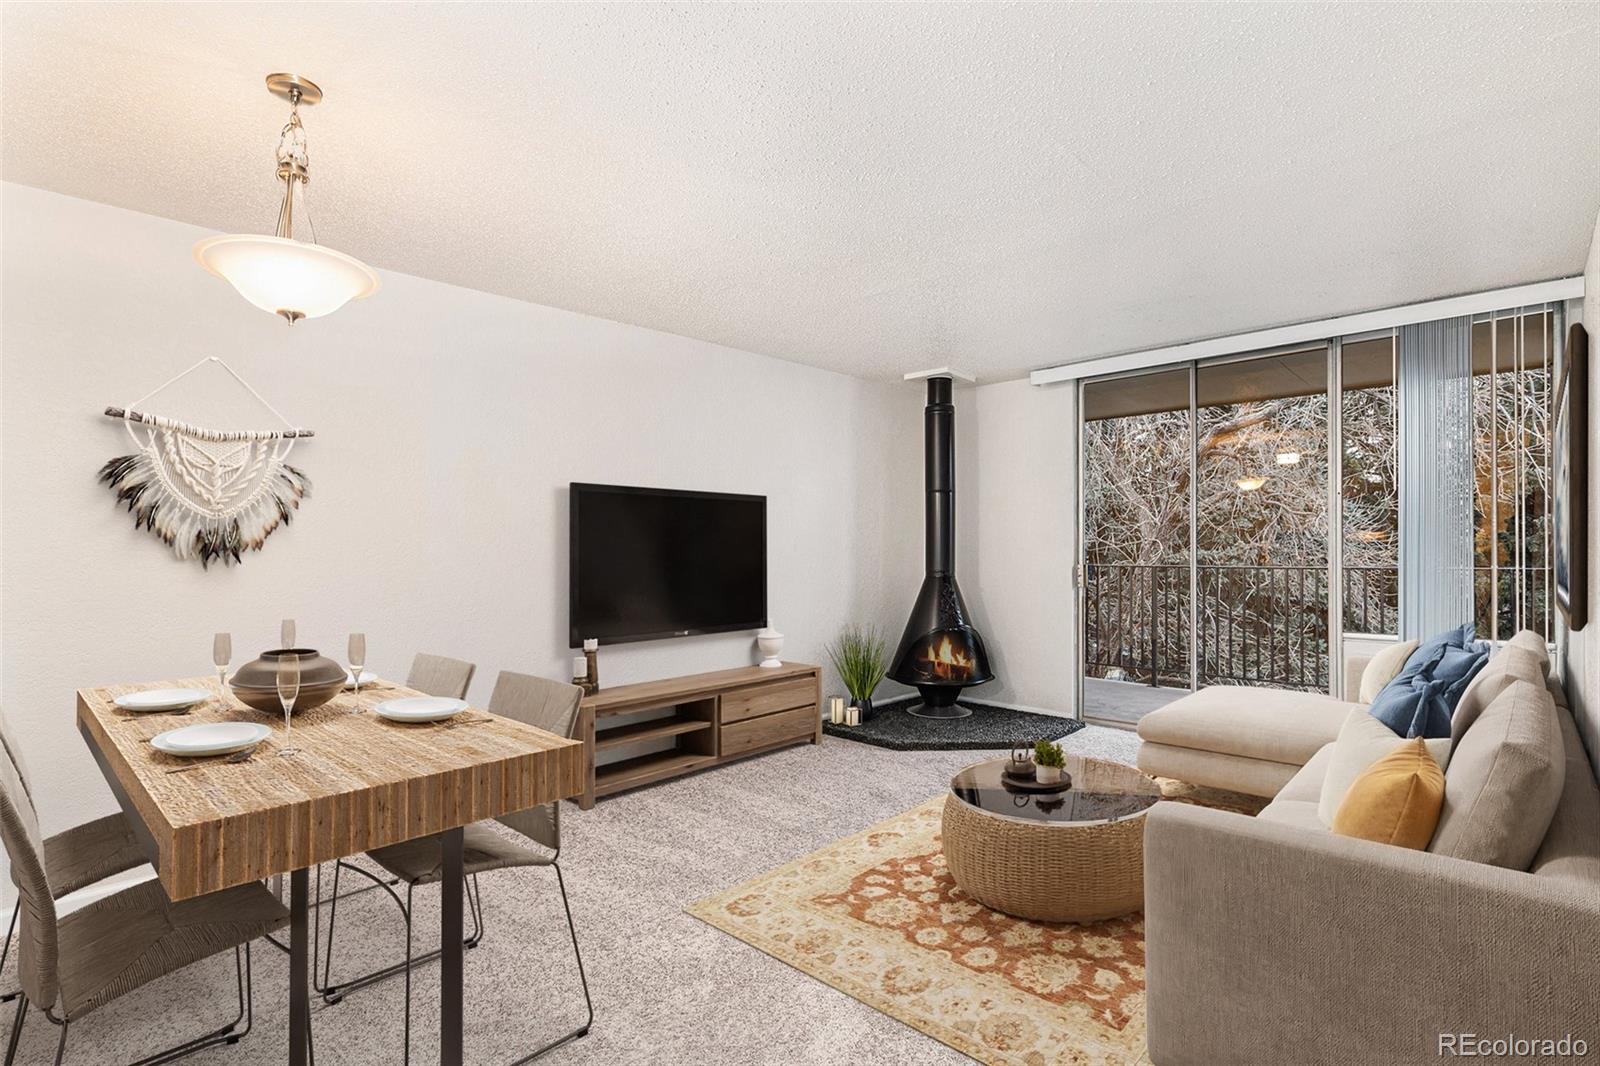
(1241, 517)
(1512, 392)
(1137, 448)
(1261, 523)
(1369, 485)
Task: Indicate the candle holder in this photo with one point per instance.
(586, 668)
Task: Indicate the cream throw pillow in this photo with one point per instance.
(1383, 668)
(1363, 740)
(1506, 776)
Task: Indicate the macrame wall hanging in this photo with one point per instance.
(209, 494)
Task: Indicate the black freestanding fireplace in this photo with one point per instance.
(941, 652)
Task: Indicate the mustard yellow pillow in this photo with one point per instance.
(1396, 800)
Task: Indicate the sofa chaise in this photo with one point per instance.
(1273, 940)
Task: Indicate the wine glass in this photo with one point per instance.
(358, 659)
(286, 633)
(221, 655)
(288, 692)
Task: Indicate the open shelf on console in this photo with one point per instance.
(631, 773)
(694, 722)
(689, 725)
(655, 729)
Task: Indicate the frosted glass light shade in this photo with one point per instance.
(287, 277)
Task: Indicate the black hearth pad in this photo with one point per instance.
(986, 728)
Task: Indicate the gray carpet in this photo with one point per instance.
(988, 728)
(667, 988)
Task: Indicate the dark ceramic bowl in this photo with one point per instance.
(256, 683)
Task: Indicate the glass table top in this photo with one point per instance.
(1100, 792)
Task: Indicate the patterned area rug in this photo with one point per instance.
(877, 916)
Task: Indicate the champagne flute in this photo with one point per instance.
(288, 692)
(286, 633)
(221, 655)
(358, 659)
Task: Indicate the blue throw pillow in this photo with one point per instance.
(1457, 667)
(1422, 661)
(1423, 695)
(1414, 709)
(1459, 637)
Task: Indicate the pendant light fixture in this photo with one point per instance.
(280, 274)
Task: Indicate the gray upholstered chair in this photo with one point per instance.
(439, 675)
(75, 858)
(69, 966)
(548, 705)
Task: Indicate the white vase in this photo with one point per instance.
(770, 641)
(1048, 775)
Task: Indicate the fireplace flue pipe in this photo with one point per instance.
(939, 631)
(939, 475)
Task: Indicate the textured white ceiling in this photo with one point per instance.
(871, 188)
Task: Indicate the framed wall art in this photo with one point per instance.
(1570, 454)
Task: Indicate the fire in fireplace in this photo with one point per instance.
(941, 652)
(945, 659)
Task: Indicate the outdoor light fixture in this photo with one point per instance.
(1250, 484)
(1288, 458)
(280, 274)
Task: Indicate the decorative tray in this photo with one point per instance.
(1028, 784)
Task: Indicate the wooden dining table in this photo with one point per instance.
(357, 781)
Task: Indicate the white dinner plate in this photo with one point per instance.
(367, 678)
(162, 699)
(210, 738)
(420, 708)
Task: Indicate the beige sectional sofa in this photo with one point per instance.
(1251, 740)
(1273, 940)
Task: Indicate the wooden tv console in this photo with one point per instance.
(716, 718)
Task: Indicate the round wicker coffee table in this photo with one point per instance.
(1070, 856)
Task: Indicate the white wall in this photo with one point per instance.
(448, 424)
(1582, 661)
(1015, 531)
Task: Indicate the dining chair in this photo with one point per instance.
(72, 965)
(75, 858)
(437, 675)
(536, 701)
(440, 675)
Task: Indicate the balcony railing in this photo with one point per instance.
(1258, 625)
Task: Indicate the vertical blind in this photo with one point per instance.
(1436, 476)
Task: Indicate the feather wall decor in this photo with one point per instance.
(193, 532)
(207, 494)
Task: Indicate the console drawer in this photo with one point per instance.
(754, 733)
(764, 699)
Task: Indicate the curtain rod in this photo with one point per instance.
(1318, 330)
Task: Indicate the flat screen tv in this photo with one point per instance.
(652, 563)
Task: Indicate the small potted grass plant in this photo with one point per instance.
(861, 655)
(1050, 760)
